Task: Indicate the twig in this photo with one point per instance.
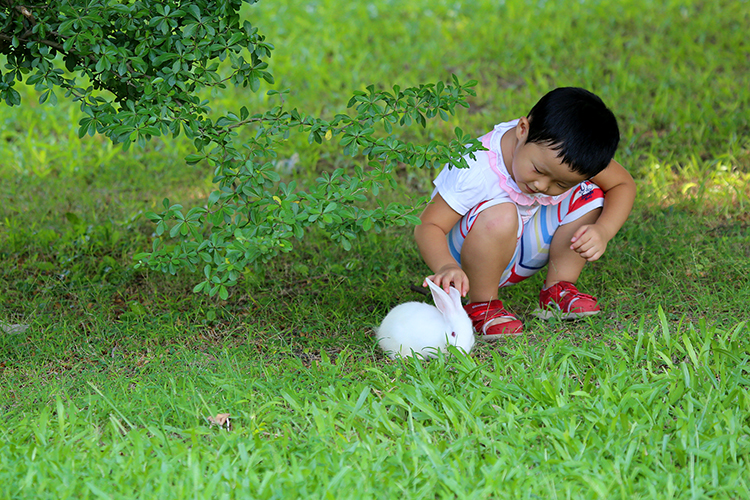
(26, 13)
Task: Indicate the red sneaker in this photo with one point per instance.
(482, 314)
(563, 300)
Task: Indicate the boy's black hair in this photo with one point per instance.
(578, 125)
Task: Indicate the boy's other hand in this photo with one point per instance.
(590, 242)
(451, 275)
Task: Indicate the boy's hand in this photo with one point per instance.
(451, 275)
(590, 242)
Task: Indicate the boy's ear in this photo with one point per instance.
(522, 129)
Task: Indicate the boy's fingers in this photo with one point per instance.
(579, 239)
(450, 277)
(459, 282)
(445, 282)
(464, 287)
(454, 282)
(578, 243)
(592, 252)
(588, 250)
(594, 256)
(578, 234)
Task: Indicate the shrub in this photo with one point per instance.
(138, 68)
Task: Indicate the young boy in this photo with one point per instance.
(546, 191)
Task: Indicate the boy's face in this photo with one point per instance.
(536, 168)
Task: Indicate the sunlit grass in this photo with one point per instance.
(712, 184)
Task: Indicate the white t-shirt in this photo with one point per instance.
(487, 179)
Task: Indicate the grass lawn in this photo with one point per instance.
(108, 375)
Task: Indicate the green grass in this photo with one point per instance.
(106, 394)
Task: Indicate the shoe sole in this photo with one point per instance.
(549, 314)
(498, 336)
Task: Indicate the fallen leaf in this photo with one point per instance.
(12, 329)
(222, 420)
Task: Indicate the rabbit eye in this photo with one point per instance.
(453, 334)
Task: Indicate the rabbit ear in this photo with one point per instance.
(446, 304)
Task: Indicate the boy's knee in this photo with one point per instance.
(498, 222)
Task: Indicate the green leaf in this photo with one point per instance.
(194, 11)
(176, 229)
(192, 159)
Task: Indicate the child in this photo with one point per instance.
(547, 190)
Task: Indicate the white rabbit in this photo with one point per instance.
(422, 329)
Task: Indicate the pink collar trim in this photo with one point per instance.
(507, 183)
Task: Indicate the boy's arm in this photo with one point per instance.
(619, 194)
(437, 220)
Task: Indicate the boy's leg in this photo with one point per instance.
(565, 264)
(487, 240)
(560, 297)
(488, 248)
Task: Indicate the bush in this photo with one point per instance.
(138, 69)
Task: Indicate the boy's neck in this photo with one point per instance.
(508, 144)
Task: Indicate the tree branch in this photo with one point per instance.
(25, 12)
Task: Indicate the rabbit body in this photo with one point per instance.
(423, 329)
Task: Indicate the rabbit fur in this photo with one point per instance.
(416, 328)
